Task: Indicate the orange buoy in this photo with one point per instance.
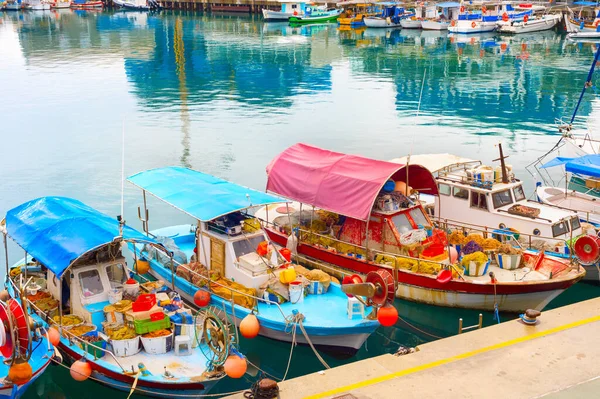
(505, 17)
(202, 298)
(142, 266)
(249, 327)
(526, 18)
(235, 366)
(53, 336)
(484, 9)
(81, 370)
(503, 46)
(452, 24)
(20, 372)
(473, 24)
(387, 315)
(462, 9)
(263, 248)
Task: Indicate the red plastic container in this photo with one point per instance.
(157, 316)
(263, 248)
(144, 302)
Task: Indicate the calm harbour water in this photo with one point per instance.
(225, 94)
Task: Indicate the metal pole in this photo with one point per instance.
(60, 305)
(460, 324)
(145, 224)
(480, 320)
(25, 273)
(135, 268)
(6, 255)
(172, 272)
(367, 239)
(202, 243)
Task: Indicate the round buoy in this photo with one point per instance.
(202, 298)
(20, 373)
(387, 315)
(249, 326)
(587, 249)
(235, 366)
(81, 370)
(53, 336)
(142, 266)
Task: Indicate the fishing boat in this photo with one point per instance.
(538, 22)
(13, 5)
(355, 11)
(443, 14)
(583, 20)
(86, 4)
(486, 19)
(36, 5)
(414, 21)
(289, 8)
(226, 244)
(363, 215)
(121, 333)
(390, 17)
(138, 5)
(25, 349)
(57, 4)
(312, 16)
(586, 204)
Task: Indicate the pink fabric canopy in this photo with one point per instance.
(336, 182)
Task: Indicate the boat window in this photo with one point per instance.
(575, 224)
(461, 193)
(402, 224)
(444, 189)
(519, 193)
(246, 246)
(116, 275)
(294, 6)
(418, 217)
(91, 284)
(559, 229)
(501, 198)
(478, 200)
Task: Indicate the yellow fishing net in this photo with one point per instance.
(223, 288)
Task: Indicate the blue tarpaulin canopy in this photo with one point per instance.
(58, 230)
(585, 3)
(198, 194)
(448, 4)
(588, 165)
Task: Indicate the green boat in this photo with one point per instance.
(316, 16)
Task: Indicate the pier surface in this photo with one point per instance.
(555, 359)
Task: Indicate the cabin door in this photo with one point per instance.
(217, 256)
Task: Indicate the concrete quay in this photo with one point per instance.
(555, 359)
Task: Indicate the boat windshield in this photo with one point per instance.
(560, 229)
(116, 275)
(248, 245)
(418, 217)
(91, 284)
(402, 224)
(519, 193)
(575, 223)
(502, 198)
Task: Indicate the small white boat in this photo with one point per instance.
(140, 5)
(585, 19)
(486, 19)
(61, 4)
(584, 35)
(440, 20)
(537, 23)
(289, 8)
(390, 17)
(36, 5)
(414, 22)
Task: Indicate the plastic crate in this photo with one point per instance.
(144, 302)
(146, 326)
(96, 349)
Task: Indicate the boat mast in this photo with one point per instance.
(588, 83)
(502, 164)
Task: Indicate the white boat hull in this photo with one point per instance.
(583, 35)
(428, 24)
(466, 27)
(38, 7)
(378, 22)
(12, 7)
(506, 303)
(409, 23)
(574, 26)
(546, 22)
(270, 15)
(62, 4)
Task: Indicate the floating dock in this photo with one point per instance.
(556, 359)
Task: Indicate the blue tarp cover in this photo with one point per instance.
(58, 230)
(588, 165)
(448, 4)
(585, 3)
(198, 194)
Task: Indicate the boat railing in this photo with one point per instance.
(232, 290)
(63, 331)
(448, 224)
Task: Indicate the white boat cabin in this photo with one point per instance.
(474, 194)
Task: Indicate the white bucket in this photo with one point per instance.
(296, 292)
(126, 347)
(156, 346)
(115, 295)
(131, 289)
(508, 262)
